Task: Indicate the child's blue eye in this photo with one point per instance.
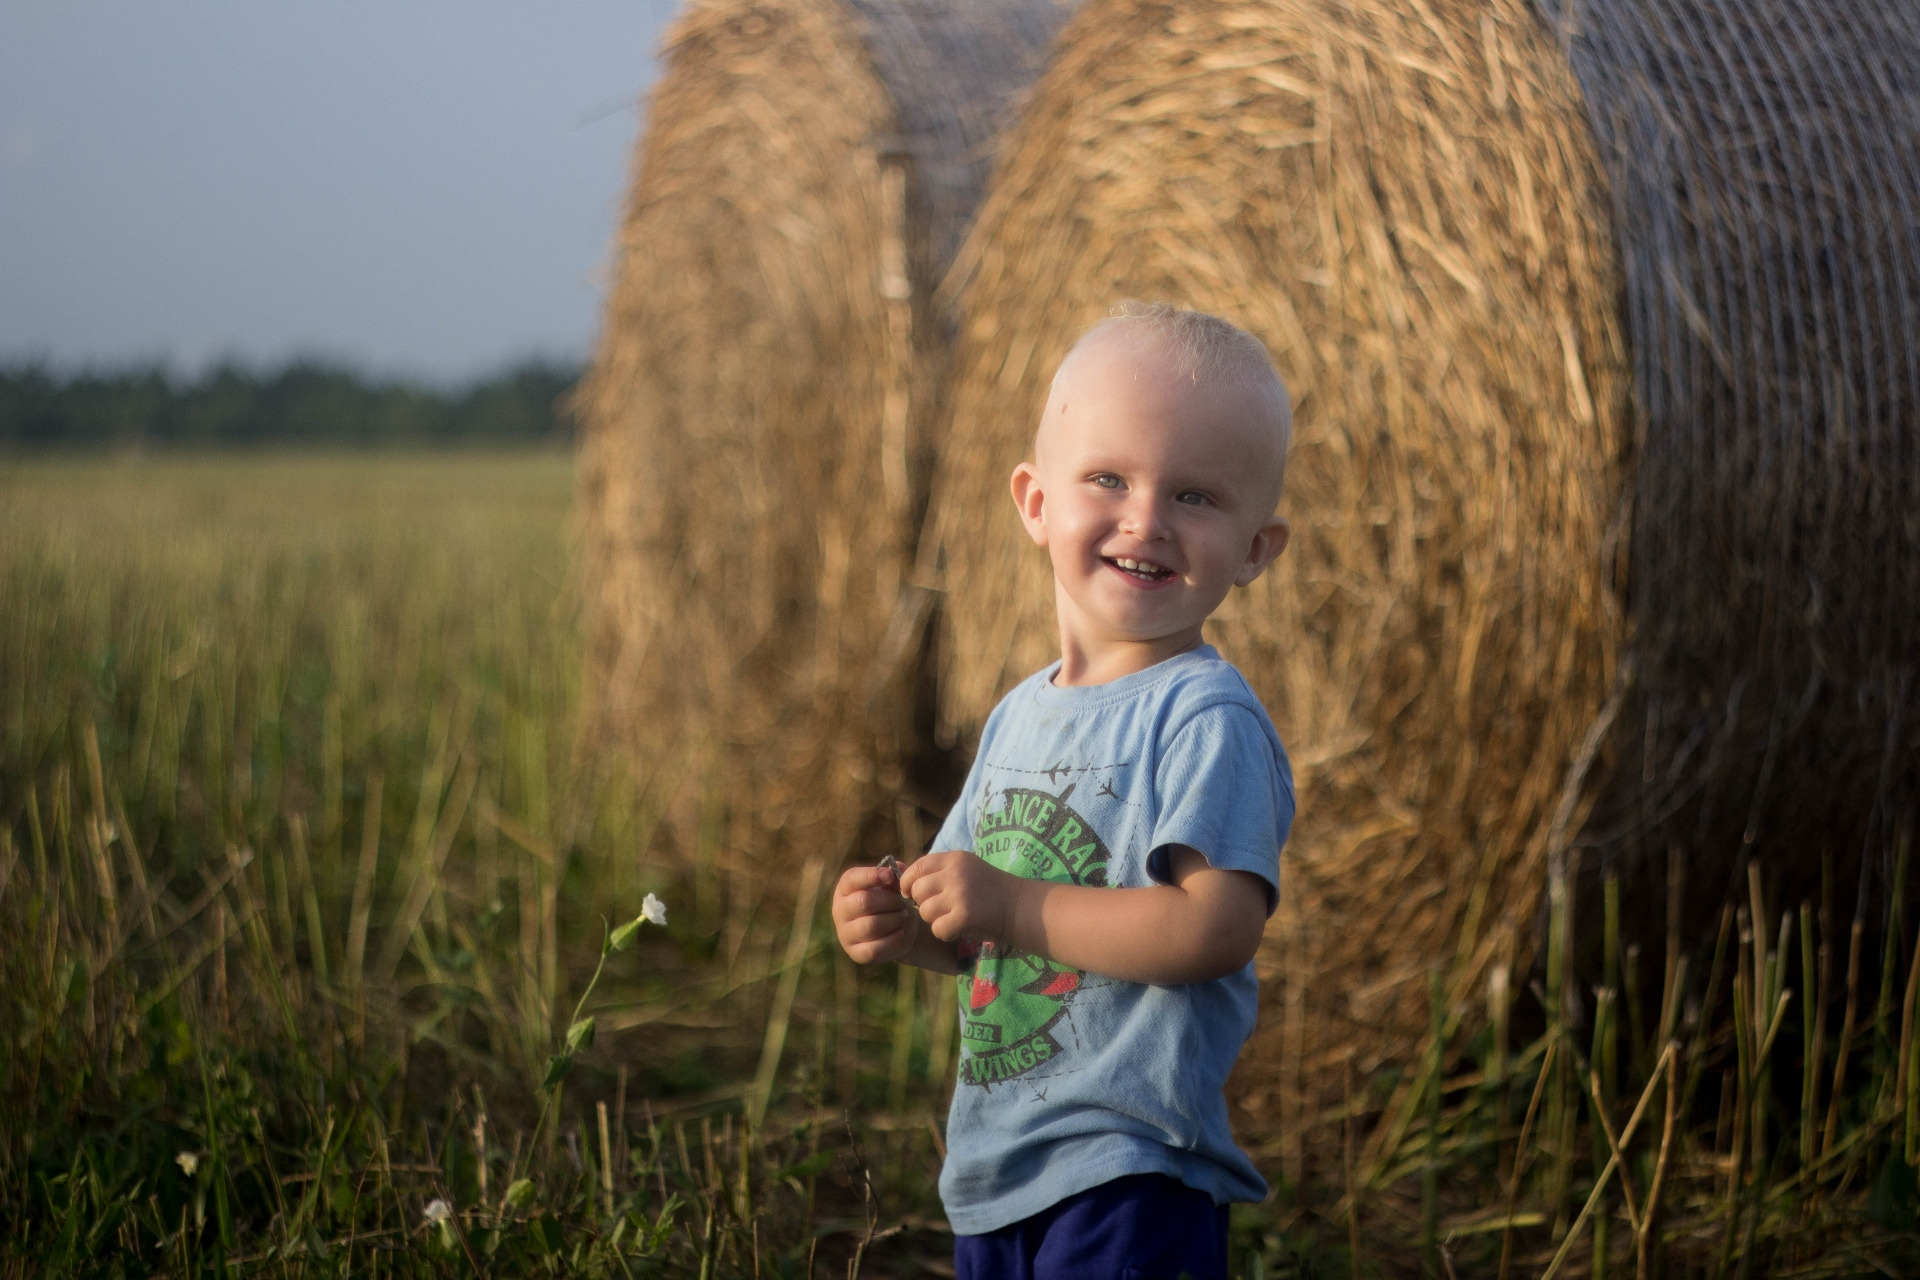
(1192, 497)
(1107, 481)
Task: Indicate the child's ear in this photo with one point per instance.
(1031, 501)
(1268, 542)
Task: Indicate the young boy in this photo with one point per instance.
(1102, 883)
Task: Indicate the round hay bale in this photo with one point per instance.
(757, 422)
(1403, 202)
(1526, 614)
(1764, 159)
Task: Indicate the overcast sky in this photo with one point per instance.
(424, 187)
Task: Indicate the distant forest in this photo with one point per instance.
(305, 403)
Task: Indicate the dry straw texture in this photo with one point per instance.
(757, 443)
(1765, 166)
(1403, 201)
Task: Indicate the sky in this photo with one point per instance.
(421, 188)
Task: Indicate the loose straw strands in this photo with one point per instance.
(756, 446)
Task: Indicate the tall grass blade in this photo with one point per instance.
(799, 941)
(1843, 1049)
(1660, 1070)
(1810, 1012)
(430, 858)
(1520, 1149)
(309, 901)
(361, 909)
(1650, 1219)
(901, 1056)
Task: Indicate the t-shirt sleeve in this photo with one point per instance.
(957, 831)
(1225, 789)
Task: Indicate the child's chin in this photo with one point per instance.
(1136, 616)
(1142, 627)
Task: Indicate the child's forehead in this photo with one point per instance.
(1139, 382)
(1185, 446)
(1125, 400)
(1117, 350)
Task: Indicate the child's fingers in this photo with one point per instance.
(871, 928)
(866, 902)
(927, 878)
(856, 879)
(885, 902)
(942, 919)
(932, 897)
(920, 868)
(885, 947)
(876, 922)
(873, 940)
(889, 916)
(945, 906)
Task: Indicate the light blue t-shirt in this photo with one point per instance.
(1067, 1079)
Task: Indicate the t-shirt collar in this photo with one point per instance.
(1048, 694)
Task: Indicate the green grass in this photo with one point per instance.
(302, 865)
(305, 869)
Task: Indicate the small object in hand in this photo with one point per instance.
(891, 865)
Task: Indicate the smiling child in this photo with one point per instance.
(1101, 885)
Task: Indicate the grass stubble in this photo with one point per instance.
(306, 881)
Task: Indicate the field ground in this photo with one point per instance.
(305, 869)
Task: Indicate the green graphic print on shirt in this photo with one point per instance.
(1010, 1001)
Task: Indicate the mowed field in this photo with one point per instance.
(308, 868)
(304, 868)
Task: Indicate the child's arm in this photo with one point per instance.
(875, 923)
(1206, 924)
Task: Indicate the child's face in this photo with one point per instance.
(1153, 494)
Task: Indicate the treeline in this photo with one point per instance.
(306, 403)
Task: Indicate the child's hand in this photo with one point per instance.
(961, 897)
(873, 921)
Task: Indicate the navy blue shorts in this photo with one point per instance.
(1144, 1227)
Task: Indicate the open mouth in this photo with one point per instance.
(1143, 570)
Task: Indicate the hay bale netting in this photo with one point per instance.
(1403, 201)
(1764, 159)
(756, 424)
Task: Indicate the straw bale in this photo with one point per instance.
(1404, 202)
(757, 422)
(1764, 159)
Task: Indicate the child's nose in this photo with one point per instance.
(1145, 517)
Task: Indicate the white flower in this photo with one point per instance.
(189, 1162)
(654, 910)
(438, 1211)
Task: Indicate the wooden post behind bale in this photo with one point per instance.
(758, 422)
(1764, 163)
(1403, 201)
